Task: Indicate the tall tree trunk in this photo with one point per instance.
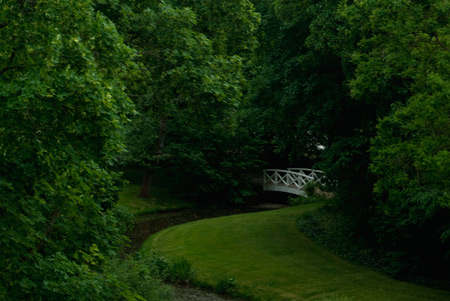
(148, 177)
(147, 183)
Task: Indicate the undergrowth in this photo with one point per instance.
(332, 230)
(144, 276)
(224, 285)
(181, 271)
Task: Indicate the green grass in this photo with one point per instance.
(160, 200)
(271, 260)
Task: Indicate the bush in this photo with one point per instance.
(336, 232)
(314, 193)
(142, 276)
(224, 285)
(181, 271)
(300, 200)
(411, 159)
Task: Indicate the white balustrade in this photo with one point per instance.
(291, 180)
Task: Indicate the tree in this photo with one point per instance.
(298, 89)
(408, 42)
(303, 97)
(210, 161)
(62, 109)
(367, 80)
(229, 25)
(182, 77)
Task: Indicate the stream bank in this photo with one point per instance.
(146, 225)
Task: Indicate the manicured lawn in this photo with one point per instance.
(271, 260)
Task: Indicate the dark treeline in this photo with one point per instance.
(368, 80)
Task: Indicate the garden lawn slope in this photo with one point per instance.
(271, 260)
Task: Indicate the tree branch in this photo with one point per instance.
(9, 68)
(137, 95)
(48, 229)
(10, 60)
(441, 44)
(11, 57)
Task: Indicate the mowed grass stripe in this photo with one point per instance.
(271, 260)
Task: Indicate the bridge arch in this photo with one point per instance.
(291, 180)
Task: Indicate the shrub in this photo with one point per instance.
(299, 200)
(181, 271)
(142, 276)
(224, 285)
(336, 232)
(314, 194)
(411, 159)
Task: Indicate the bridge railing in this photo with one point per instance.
(291, 181)
(313, 174)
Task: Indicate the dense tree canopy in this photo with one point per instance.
(230, 25)
(62, 109)
(409, 42)
(367, 80)
(303, 99)
(186, 82)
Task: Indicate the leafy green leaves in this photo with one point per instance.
(368, 81)
(61, 110)
(190, 73)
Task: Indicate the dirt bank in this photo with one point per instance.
(149, 224)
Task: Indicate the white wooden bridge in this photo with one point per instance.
(292, 180)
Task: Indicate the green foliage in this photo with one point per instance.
(299, 89)
(224, 285)
(62, 109)
(162, 195)
(178, 78)
(213, 161)
(336, 232)
(188, 86)
(368, 81)
(411, 159)
(302, 99)
(143, 275)
(229, 24)
(405, 45)
(299, 200)
(181, 271)
(314, 194)
(161, 199)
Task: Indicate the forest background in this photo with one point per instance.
(210, 92)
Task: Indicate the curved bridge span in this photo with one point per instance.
(292, 180)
